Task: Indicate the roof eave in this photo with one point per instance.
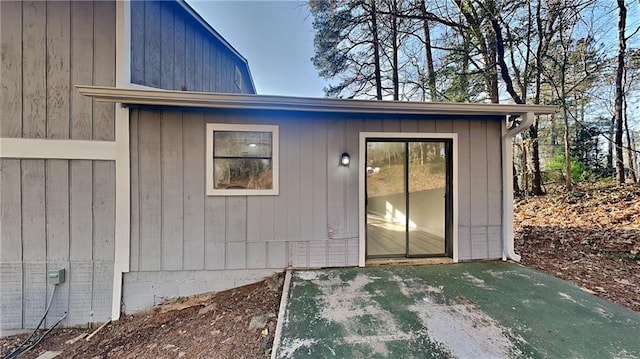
(285, 103)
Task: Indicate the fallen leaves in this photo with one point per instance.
(590, 236)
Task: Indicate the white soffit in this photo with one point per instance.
(285, 103)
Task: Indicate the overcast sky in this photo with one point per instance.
(275, 37)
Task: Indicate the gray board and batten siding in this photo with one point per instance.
(172, 51)
(56, 213)
(184, 242)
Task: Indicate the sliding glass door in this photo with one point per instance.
(408, 198)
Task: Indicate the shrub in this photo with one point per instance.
(579, 171)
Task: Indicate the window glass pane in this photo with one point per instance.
(242, 144)
(242, 173)
(428, 166)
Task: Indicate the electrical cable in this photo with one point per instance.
(39, 340)
(20, 348)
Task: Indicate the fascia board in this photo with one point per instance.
(285, 103)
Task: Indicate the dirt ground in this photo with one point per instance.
(590, 237)
(238, 323)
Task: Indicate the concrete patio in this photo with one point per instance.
(470, 310)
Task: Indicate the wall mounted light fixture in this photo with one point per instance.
(345, 159)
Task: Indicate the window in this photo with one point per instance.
(242, 160)
(238, 79)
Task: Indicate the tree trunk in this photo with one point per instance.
(619, 113)
(525, 169)
(612, 133)
(516, 186)
(504, 71)
(491, 57)
(431, 73)
(394, 35)
(635, 153)
(536, 186)
(567, 148)
(376, 49)
(630, 156)
(536, 180)
(565, 116)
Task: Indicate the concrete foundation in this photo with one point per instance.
(143, 290)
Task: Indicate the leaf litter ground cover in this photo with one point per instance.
(590, 236)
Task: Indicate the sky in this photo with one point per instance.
(275, 37)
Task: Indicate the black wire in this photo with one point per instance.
(42, 337)
(20, 348)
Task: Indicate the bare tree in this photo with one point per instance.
(619, 102)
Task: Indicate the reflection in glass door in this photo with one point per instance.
(407, 199)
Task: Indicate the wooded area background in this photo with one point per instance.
(580, 55)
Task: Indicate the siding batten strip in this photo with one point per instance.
(34, 148)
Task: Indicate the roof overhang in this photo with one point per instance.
(145, 97)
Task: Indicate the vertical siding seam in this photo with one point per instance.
(173, 46)
(68, 261)
(183, 62)
(69, 228)
(93, 212)
(226, 233)
(160, 19)
(137, 119)
(93, 228)
(265, 254)
(21, 92)
(46, 228)
(468, 205)
(204, 202)
(246, 232)
(144, 82)
(22, 281)
(161, 204)
(161, 57)
(307, 246)
(486, 154)
(46, 96)
(345, 185)
(173, 61)
(287, 257)
(93, 74)
(312, 184)
(184, 217)
(70, 95)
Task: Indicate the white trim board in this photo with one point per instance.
(361, 184)
(275, 155)
(131, 96)
(123, 171)
(35, 148)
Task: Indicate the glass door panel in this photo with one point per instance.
(386, 199)
(427, 175)
(407, 198)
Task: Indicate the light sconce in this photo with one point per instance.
(345, 159)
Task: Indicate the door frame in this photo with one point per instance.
(362, 215)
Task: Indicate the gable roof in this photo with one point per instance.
(219, 37)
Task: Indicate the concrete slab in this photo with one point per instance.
(469, 310)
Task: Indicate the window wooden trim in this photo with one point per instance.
(275, 153)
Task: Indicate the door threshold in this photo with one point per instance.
(407, 261)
